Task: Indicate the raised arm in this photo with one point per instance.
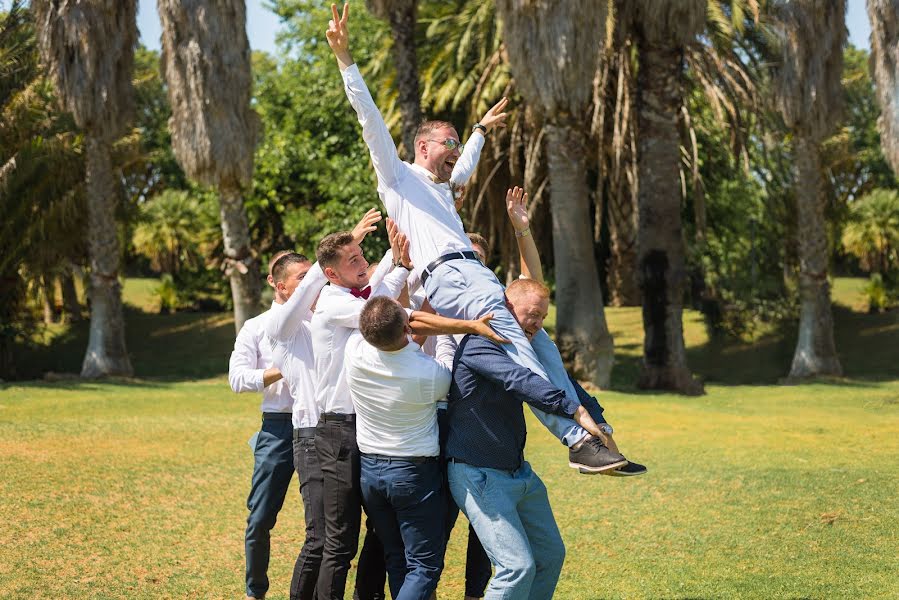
(517, 209)
(388, 166)
(468, 160)
(285, 319)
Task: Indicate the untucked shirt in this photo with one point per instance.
(395, 394)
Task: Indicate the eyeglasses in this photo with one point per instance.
(449, 144)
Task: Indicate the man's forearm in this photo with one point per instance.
(426, 323)
(344, 60)
(270, 376)
(583, 418)
(530, 258)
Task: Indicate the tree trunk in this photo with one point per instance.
(624, 289)
(402, 18)
(661, 245)
(816, 352)
(71, 306)
(106, 353)
(48, 296)
(243, 269)
(582, 335)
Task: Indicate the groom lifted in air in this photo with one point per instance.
(418, 196)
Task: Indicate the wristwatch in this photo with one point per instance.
(606, 428)
(477, 126)
(399, 263)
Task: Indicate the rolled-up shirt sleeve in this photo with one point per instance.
(243, 372)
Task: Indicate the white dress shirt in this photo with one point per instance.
(423, 209)
(417, 298)
(252, 355)
(336, 318)
(291, 339)
(395, 394)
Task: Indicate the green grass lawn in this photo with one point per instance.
(136, 488)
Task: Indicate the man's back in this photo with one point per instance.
(395, 395)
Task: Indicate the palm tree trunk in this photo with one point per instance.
(624, 289)
(242, 267)
(70, 304)
(661, 245)
(106, 353)
(402, 18)
(816, 352)
(48, 295)
(582, 335)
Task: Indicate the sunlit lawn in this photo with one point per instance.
(136, 489)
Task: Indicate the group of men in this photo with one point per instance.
(399, 389)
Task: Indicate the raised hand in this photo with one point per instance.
(495, 117)
(458, 196)
(399, 245)
(366, 225)
(517, 207)
(482, 328)
(338, 35)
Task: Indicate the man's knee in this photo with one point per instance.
(552, 557)
(261, 518)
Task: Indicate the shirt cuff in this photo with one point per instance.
(259, 379)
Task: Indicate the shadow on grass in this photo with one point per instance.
(166, 347)
(868, 345)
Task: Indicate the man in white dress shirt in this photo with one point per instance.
(251, 370)
(395, 388)
(335, 319)
(419, 198)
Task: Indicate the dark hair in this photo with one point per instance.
(427, 127)
(382, 322)
(328, 252)
(279, 269)
(275, 257)
(480, 240)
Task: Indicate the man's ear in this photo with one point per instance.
(330, 274)
(270, 280)
(421, 148)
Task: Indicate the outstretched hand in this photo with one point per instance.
(495, 117)
(366, 225)
(338, 35)
(482, 328)
(517, 207)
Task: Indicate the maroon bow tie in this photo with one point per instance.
(364, 293)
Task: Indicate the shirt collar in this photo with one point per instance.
(427, 174)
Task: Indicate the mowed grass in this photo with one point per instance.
(136, 488)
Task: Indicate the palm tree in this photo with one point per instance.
(808, 96)
(884, 16)
(206, 61)
(662, 30)
(554, 48)
(89, 49)
(402, 16)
